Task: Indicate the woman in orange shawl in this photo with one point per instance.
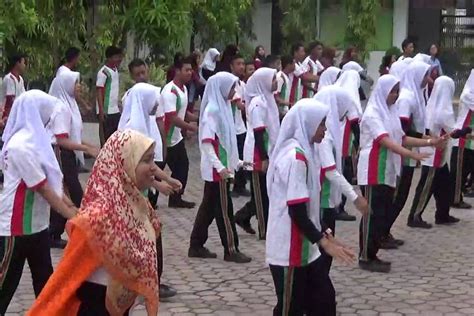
(111, 255)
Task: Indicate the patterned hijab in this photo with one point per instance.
(120, 225)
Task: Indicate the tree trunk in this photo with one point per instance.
(277, 36)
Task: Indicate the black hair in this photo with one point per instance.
(13, 60)
(137, 62)
(296, 47)
(429, 49)
(406, 42)
(71, 53)
(180, 63)
(314, 44)
(177, 57)
(256, 54)
(249, 62)
(236, 56)
(112, 51)
(286, 60)
(270, 59)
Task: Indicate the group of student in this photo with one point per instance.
(294, 127)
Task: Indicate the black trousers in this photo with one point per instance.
(92, 298)
(303, 291)
(14, 251)
(348, 173)
(401, 196)
(177, 161)
(372, 226)
(433, 181)
(462, 161)
(111, 123)
(258, 204)
(329, 220)
(216, 204)
(70, 169)
(240, 179)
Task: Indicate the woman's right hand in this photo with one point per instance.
(419, 156)
(338, 251)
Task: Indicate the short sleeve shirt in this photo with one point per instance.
(465, 119)
(12, 86)
(239, 96)
(256, 121)
(296, 89)
(330, 194)
(108, 79)
(23, 211)
(406, 111)
(283, 91)
(61, 123)
(208, 172)
(286, 245)
(175, 100)
(314, 67)
(438, 156)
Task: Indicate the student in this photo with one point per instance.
(462, 156)
(111, 255)
(70, 61)
(259, 56)
(219, 160)
(301, 75)
(381, 142)
(172, 69)
(341, 105)
(387, 62)
(208, 65)
(435, 171)
(237, 67)
(224, 63)
(13, 85)
(108, 92)
(302, 285)
(175, 99)
(315, 67)
(434, 60)
(249, 70)
(263, 124)
(33, 184)
(408, 47)
(272, 61)
(66, 127)
(328, 57)
(282, 95)
(399, 67)
(328, 77)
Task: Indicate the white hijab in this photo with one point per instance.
(399, 67)
(300, 125)
(63, 87)
(467, 95)
(216, 113)
(378, 109)
(209, 61)
(30, 114)
(352, 65)
(328, 77)
(439, 109)
(422, 57)
(139, 107)
(259, 85)
(350, 81)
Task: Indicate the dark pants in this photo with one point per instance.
(462, 161)
(70, 169)
(303, 291)
(216, 204)
(258, 204)
(372, 226)
(433, 181)
(348, 173)
(401, 196)
(177, 161)
(14, 251)
(92, 298)
(329, 220)
(240, 179)
(111, 123)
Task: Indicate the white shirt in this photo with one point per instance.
(286, 245)
(407, 109)
(283, 91)
(175, 101)
(213, 155)
(12, 86)
(314, 67)
(465, 118)
(108, 79)
(62, 69)
(296, 88)
(239, 96)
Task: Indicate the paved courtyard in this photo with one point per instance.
(432, 274)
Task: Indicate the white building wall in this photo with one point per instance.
(262, 24)
(400, 21)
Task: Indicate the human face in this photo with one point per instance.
(185, 73)
(145, 170)
(317, 52)
(261, 51)
(354, 54)
(274, 83)
(238, 67)
(231, 94)
(393, 95)
(394, 59)
(433, 50)
(116, 60)
(276, 65)
(140, 73)
(21, 65)
(290, 68)
(425, 80)
(409, 49)
(320, 132)
(249, 70)
(300, 54)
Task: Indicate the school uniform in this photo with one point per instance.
(108, 80)
(241, 130)
(296, 86)
(12, 87)
(28, 163)
(283, 91)
(314, 67)
(328, 77)
(302, 285)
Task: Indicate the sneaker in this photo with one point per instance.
(180, 203)
(398, 242)
(202, 252)
(387, 243)
(449, 220)
(419, 223)
(58, 243)
(344, 216)
(237, 257)
(375, 265)
(462, 205)
(167, 291)
(388, 263)
(247, 227)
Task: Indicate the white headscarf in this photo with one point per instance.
(399, 67)
(422, 57)
(139, 107)
(209, 61)
(259, 85)
(439, 109)
(378, 109)
(300, 125)
(216, 113)
(30, 113)
(63, 88)
(467, 95)
(328, 77)
(352, 65)
(350, 81)
(340, 103)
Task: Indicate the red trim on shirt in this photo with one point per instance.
(18, 209)
(180, 86)
(372, 177)
(300, 156)
(261, 128)
(294, 86)
(8, 105)
(208, 141)
(353, 120)
(379, 138)
(467, 122)
(333, 167)
(297, 201)
(296, 245)
(438, 154)
(63, 135)
(39, 185)
(346, 137)
(168, 123)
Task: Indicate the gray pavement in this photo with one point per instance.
(432, 274)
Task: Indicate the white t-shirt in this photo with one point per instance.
(330, 194)
(108, 79)
(208, 169)
(314, 67)
(438, 156)
(23, 211)
(283, 91)
(465, 119)
(286, 245)
(175, 101)
(375, 161)
(61, 124)
(407, 109)
(62, 69)
(239, 96)
(11, 86)
(296, 88)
